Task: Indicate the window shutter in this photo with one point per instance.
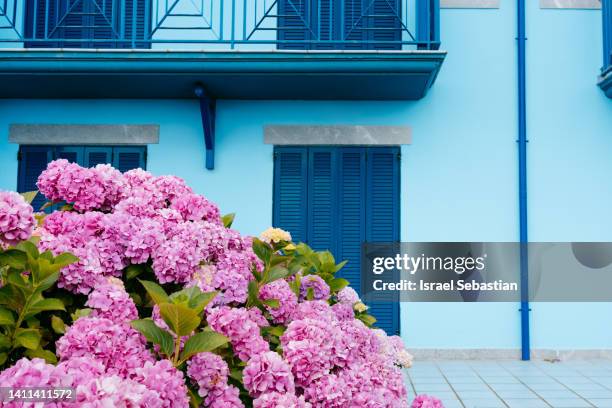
(294, 24)
(385, 24)
(382, 219)
(141, 28)
(32, 161)
(129, 158)
(354, 24)
(98, 155)
(351, 203)
(71, 153)
(322, 198)
(35, 16)
(290, 191)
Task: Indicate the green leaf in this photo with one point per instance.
(58, 325)
(309, 294)
(340, 265)
(48, 356)
(14, 258)
(275, 330)
(5, 342)
(16, 278)
(236, 374)
(262, 250)
(3, 357)
(195, 401)
(181, 319)
(80, 313)
(29, 248)
(133, 271)
(253, 291)
(44, 305)
(65, 259)
(28, 338)
(338, 284)
(273, 303)
(277, 272)
(201, 342)
(228, 219)
(193, 297)
(11, 297)
(369, 320)
(156, 292)
(155, 334)
(29, 196)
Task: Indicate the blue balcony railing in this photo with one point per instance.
(221, 24)
(607, 35)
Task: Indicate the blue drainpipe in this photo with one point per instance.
(522, 164)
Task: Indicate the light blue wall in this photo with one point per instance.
(458, 176)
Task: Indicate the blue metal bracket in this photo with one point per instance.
(207, 110)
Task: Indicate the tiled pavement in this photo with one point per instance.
(514, 384)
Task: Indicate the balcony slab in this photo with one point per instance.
(312, 75)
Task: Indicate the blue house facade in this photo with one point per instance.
(341, 121)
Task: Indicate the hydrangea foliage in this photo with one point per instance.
(171, 307)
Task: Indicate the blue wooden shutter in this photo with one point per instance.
(95, 155)
(354, 24)
(74, 154)
(322, 202)
(351, 212)
(382, 219)
(136, 24)
(36, 13)
(32, 161)
(294, 24)
(385, 24)
(129, 158)
(290, 191)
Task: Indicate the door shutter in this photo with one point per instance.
(129, 158)
(290, 191)
(354, 24)
(71, 153)
(98, 155)
(382, 220)
(322, 198)
(32, 161)
(351, 213)
(36, 13)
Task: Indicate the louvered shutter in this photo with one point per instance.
(33, 160)
(354, 24)
(36, 13)
(136, 24)
(294, 24)
(98, 155)
(290, 191)
(74, 154)
(351, 213)
(322, 198)
(382, 220)
(129, 158)
(385, 25)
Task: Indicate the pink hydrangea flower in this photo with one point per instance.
(235, 323)
(110, 300)
(320, 289)
(194, 207)
(209, 371)
(348, 295)
(115, 391)
(224, 397)
(281, 291)
(119, 347)
(343, 311)
(425, 401)
(329, 391)
(267, 372)
(16, 219)
(165, 380)
(279, 400)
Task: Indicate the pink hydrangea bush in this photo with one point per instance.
(298, 339)
(16, 219)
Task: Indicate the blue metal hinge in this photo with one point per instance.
(207, 111)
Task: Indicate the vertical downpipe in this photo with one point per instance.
(522, 164)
